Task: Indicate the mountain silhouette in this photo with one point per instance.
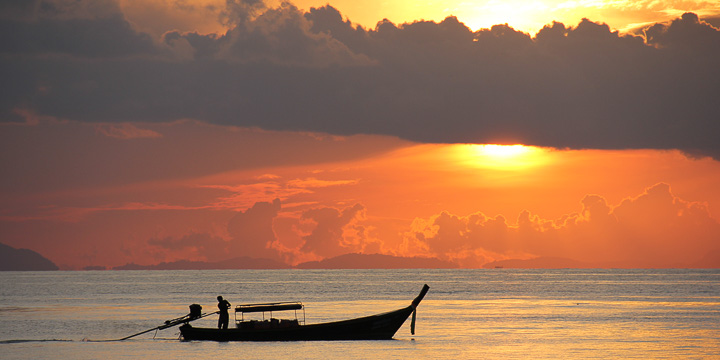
(243, 262)
(377, 261)
(12, 259)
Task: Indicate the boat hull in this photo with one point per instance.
(375, 327)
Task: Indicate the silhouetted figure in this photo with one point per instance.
(223, 305)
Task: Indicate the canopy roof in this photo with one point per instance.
(248, 308)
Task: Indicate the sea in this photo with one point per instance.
(467, 314)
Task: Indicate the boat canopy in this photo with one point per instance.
(249, 308)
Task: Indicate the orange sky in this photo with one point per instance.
(466, 203)
(143, 131)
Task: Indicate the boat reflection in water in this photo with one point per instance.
(375, 327)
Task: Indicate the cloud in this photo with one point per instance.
(49, 155)
(688, 33)
(90, 28)
(195, 246)
(654, 229)
(583, 86)
(238, 12)
(30, 10)
(316, 183)
(327, 238)
(126, 131)
(280, 36)
(252, 231)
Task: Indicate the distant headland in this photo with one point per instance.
(12, 259)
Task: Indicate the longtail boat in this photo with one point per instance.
(374, 327)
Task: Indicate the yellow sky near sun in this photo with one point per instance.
(158, 16)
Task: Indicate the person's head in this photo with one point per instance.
(219, 298)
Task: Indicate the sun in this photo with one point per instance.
(503, 157)
(502, 151)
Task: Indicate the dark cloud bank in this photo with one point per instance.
(579, 86)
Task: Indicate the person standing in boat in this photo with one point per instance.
(223, 305)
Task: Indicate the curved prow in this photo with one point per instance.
(419, 298)
(414, 305)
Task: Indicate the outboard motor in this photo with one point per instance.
(195, 311)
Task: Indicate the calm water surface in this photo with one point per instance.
(468, 314)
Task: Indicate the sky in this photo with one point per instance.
(473, 132)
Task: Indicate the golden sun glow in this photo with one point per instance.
(502, 151)
(504, 157)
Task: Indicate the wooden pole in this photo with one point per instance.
(170, 323)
